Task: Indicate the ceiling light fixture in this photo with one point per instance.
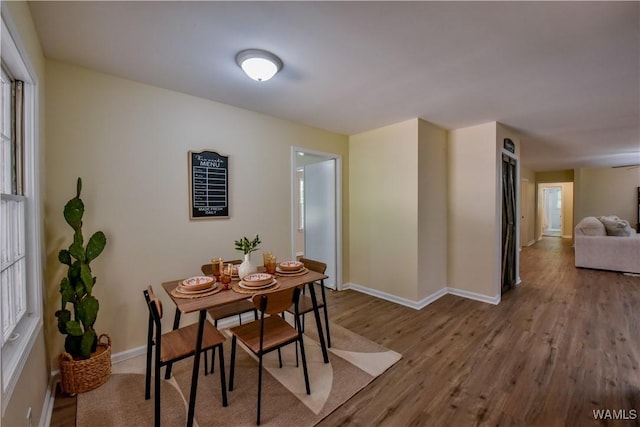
(259, 64)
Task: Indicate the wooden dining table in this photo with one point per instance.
(202, 304)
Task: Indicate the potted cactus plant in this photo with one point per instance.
(85, 354)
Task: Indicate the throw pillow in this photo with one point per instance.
(616, 226)
(591, 226)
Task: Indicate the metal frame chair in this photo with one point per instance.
(175, 345)
(269, 333)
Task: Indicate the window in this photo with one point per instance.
(20, 218)
(13, 260)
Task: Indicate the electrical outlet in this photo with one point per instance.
(29, 421)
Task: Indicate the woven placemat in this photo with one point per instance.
(177, 294)
(299, 273)
(240, 290)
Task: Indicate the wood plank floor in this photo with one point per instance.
(561, 345)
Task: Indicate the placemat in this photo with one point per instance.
(177, 294)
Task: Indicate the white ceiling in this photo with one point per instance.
(565, 74)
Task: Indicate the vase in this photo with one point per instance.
(246, 267)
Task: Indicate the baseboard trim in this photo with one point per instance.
(49, 401)
(474, 296)
(416, 305)
(531, 242)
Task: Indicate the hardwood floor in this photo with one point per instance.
(565, 342)
(561, 345)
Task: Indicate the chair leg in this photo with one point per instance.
(147, 380)
(259, 387)
(233, 362)
(222, 379)
(255, 314)
(280, 358)
(204, 356)
(213, 352)
(156, 393)
(304, 365)
(326, 315)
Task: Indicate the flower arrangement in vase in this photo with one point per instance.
(247, 246)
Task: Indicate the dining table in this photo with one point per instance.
(201, 304)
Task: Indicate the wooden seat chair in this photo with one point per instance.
(306, 304)
(175, 345)
(228, 310)
(269, 333)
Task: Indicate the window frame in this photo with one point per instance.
(14, 354)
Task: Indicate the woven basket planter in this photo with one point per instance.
(79, 376)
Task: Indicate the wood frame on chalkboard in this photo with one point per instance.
(208, 185)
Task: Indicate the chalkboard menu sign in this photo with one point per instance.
(208, 185)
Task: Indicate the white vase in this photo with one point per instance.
(246, 267)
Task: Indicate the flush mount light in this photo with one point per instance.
(259, 64)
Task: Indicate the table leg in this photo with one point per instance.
(176, 325)
(316, 314)
(196, 368)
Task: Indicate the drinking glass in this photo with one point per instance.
(216, 268)
(225, 276)
(270, 263)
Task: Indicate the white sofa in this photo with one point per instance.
(594, 248)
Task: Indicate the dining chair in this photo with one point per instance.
(306, 304)
(228, 310)
(269, 333)
(175, 345)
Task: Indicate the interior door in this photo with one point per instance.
(320, 215)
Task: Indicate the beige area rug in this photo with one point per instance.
(354, 362)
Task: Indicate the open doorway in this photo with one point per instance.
(552, 211)
(316, 210)
(555, 210)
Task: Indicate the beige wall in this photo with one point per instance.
(129, 143)
(565, 175)
(607, 191)
(383, 178)
(432, 209)
(31, 388)
(474, 223)
(527, 206)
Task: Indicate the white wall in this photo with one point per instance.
(129, 143)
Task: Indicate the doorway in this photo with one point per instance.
(316, 210)
(552, 211)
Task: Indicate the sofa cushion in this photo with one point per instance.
(616, 226)
(591, 226)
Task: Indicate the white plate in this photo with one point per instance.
(182, 290)
(197, 281)
(290, 271)
(256, 277)
(268, 285)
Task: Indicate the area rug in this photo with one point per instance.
(354, 362)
